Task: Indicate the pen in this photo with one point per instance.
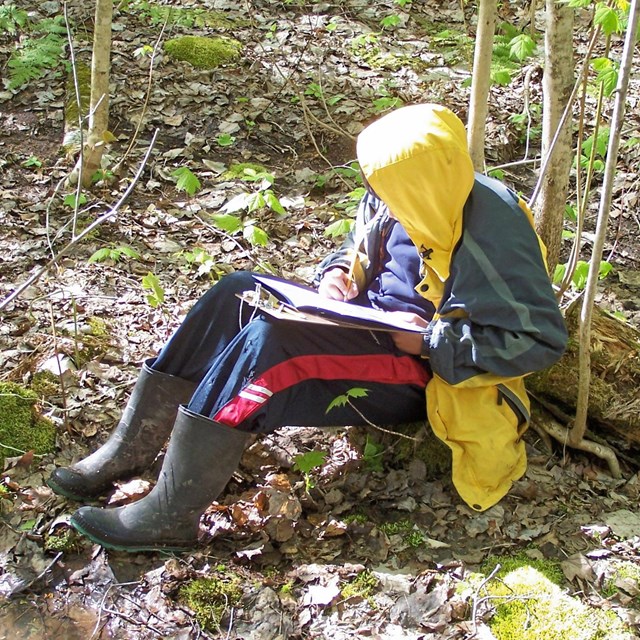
(350, 275)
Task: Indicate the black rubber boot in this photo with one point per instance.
(201, 458)
(145, 426)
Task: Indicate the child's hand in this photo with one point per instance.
(335, 285)
(405, 340)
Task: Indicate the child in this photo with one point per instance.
(450, 251)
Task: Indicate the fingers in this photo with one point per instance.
(336, 286)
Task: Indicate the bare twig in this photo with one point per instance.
(76, 86)
(375, 426)
(476, 599)
(584, 328)
(147, 97)
(96, 223)
(63, 391)
(565, 117)
(306, 114)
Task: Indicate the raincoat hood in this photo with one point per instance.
(417, 161)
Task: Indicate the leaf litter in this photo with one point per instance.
(341, 549)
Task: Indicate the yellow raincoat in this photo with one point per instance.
(483, 269)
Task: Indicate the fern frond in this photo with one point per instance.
(34, 58)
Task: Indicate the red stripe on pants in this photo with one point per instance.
(386, 369)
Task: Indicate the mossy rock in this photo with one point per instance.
(530, 607)
(21, 427)
(203, 53)
(550, 569)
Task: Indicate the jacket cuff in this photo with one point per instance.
(426, 342)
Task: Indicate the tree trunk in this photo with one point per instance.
(614, 399)
(558, 83)
(99, 105)
(481, 80)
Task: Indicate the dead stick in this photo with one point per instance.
(112, 212)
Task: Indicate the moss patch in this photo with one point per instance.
(45, 384)
(71, 112)
(430, 449)
(530, 607)
(239, 170)
(203, 53)
(411, 534)
(363, 585)
(548, 568)
(21, 427)
(64, 541)
(210, 597)
(625, 576)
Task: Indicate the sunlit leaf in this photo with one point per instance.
(70, 200)
(151, 283)
(100, 255)
(273, 203)
(522, 46)
(339, 228)
(187, 180)
(227, 222)
(306, 462)
(255, 235)
(608, 19)
(501, 77)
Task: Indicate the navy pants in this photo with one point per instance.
(258, 373)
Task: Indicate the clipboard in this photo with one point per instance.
(294, 302)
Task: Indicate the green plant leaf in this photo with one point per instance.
(255, 236)
(306, 462)
(607, 18)
(129, 252)
(372, 455)
(273, 203)
(339, 228)
(338, 401)
(558, 274)
(100, 255)
(522, 46)
(390, 22)
(187, 181)
(255, 201)
(151, 283)
(609, 79)
(343, 399)
(225, 139)
(605, 269)
(32, 161)
(70, 200)
(580, 275)
(501, 77)
(227, 222)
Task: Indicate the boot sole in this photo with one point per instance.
(61, 491)
(130, 548)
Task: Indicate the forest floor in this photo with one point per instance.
(375, 543)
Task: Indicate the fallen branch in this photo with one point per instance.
(96, 223)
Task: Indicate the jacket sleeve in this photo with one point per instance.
(358, 241)
(499, 314)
